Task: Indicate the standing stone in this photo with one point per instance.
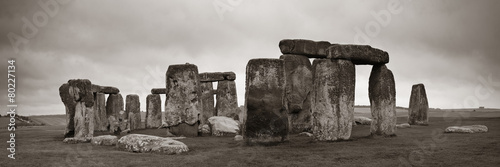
(419, 106)
(70, 105)
(153, 111)
(267, 120)
(333, 99)
(227, 102)
(382, 93)
(100, 117)
(207, 101)
(81, 92)
(115, 112)
(133, 108)
(182, 106)
(298, 88)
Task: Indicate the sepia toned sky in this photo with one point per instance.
(451, 46)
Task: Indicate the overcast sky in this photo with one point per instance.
(447, 45)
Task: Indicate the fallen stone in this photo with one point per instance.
(183, 104)
(159, 91)
(403, 126)
(358, 54)
(151, 144)
(467, 129)
(362, 120)
(238, 138)
(153, 111)
(207, 102)
(382, 94)
(419, 106)
(109, 90)
(298, 88)
(116, 114)
(104, 140)
(306, 134)
(72, 140)
(267, 118)
(100, 118)
(184, 129)
(333, 99)
(227, 100)
(205, 129)
(223, 126)
(133, 108)
(311, 49)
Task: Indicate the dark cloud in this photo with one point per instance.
(446, 45)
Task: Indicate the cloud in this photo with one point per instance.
(446, 45)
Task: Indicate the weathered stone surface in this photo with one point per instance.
(333, 99)
(467, 129)
(109, 90)
(81, 92)
(205, 129)
(104, 140)
(238, 138)
(153, 111)
(100, 118)
(267, 119)
(95, 88)
(306, 134)
(217, 76)
(403, 126)
(382, 94)
(69, 104)
(115, 113)
(183, 99)
(311, 49)
(227, 100)
(151, 144)
(298, 88)
(207, 102)
(419, 106)
(133, 108)
(184, 129)
(73, 140)
(159, 91)
(358, 54)
(362, 120)
(223, 126)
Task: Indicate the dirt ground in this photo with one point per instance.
(417, 146)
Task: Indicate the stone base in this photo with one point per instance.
(184, 129)
(265, 140)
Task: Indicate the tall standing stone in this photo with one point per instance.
(298, 88)
(153, 111)
(267, 120)
(333, 99)
(115, 112)
(182, 106)
(382, 93)
(100, 117)
(70, 105)
(133, 108)
(227, 101)
(419, 106)
(207, 101)
(81, 92)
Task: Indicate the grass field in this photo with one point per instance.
(419, 146)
